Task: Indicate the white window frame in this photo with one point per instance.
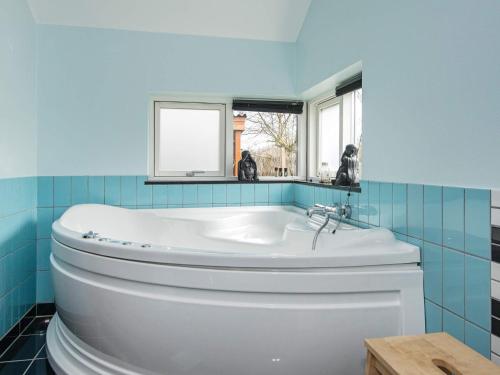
(221, 108)
(319, 107)
(314, 107)
(227, 175)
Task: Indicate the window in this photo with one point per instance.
(336, 123)
(189, 139)
(329, 131)
(271, 138)
(200, 139)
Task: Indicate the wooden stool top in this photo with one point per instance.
(426, 354)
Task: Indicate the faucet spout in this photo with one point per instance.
(316, 209)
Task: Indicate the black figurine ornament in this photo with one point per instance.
(347, 173)
(247, 168)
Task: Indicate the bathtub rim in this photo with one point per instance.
(405, 253)
(260, 280)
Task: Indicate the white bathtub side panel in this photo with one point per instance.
(412, 302)
(190, 331)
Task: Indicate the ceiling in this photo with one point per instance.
(273, 20)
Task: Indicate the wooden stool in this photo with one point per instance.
(431, 354)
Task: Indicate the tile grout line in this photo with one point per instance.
(18, 335)
(14, 288)
(17, 361)
(491, 277)
(33, 360)
(465, 273)
(459, 316)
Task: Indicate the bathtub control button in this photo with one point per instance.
(146, 245)
(103, 239)
(89, 235)
(126, 243)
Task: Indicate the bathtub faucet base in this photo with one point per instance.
(336, 211)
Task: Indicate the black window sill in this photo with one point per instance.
(355, 188)
(214, 182)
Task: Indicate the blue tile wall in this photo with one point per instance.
(454, 281)
(205, 194)
(433, 272)
(262, 194)
(477, 291)
(79, 190)
(57, 194)
(399, 208)
(128, 186)
(374, 203)
(433, 214)
(160, 195)
(233, 194)
(287, 193)
(454, 325)
(174, 195)
(453, 218)
(112, 190)
(18, 246)
(477, 218)
(450, 225)
(363, 206)
(478, 339)
(144, 193)
(62, 191)
(415, 210)
(275, 194)
(248, 194)
(433, 317)
(96, 189)
(452, 228)
(386, 205)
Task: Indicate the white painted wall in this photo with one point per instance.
(431, 74)
(17, 90)
(431, 83)
(95, 86)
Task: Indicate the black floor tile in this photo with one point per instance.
(43, 309)
(37, 326)
(9, 338)
(42, 354)
(16, 329)
(40, 367)
(25, 347)
(14, 368)
(26, 321)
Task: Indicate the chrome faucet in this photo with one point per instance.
(317, 209)
(335, 211)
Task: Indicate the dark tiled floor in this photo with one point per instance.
(27, 355)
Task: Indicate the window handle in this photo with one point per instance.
(193, 173)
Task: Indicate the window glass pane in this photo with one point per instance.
(352, 115)
(190, 140)
(271, 138)
(329, 131)
(358, 116)
(348, 120)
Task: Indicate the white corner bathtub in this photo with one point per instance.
(224, 291)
